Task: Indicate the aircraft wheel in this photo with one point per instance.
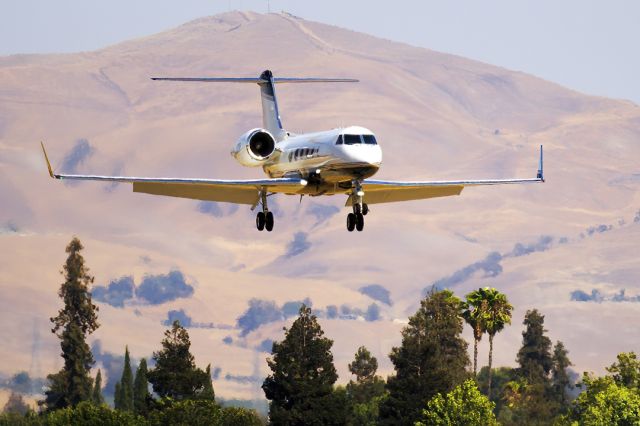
(269, 221)
(356, 208)
(359, 222)
(260, 221)
(351, 222)
(365, 209)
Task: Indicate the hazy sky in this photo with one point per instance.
(589, 45)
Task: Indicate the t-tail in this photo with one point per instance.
(270, 114)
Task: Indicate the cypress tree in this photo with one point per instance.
(126, 384)
(432, 358)
(207, 392)
(96, 395)
(534, 357)
(560, 376)
(175, 374)
(300, 386)
(117, 397)
(74, 322)
(141, 389)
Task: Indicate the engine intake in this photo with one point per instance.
(254, 148)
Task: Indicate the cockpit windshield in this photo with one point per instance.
(356, 139)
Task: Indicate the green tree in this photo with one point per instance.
(366, 391)
(300, 386)
(186, 412)
(534, 357)
(432, 358)
(175, 374)
(560, 380)
(74, 322)
(626, 372)
(208, 392)
(96, 394)
(117, 396)
(474, 313)
(124, 402)
(141, 389)
(500, 377)
(498, 314)
(367, 384)
(604, 402)
(464, 405)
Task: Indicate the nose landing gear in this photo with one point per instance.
(264, 219)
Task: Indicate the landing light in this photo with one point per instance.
(360, 193)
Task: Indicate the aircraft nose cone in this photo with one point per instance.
(367, 154)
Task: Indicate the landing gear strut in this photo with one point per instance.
(264, 219)
(355, 220)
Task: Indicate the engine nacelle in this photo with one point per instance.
(254, 148)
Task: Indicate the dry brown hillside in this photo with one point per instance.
(435, 115)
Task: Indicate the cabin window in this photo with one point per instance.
(352, 139)
(290, 155)
(339, 141)
(369, 139)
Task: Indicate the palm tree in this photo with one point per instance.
(474, 313)
(498, 314)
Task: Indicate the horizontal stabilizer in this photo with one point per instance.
(257, 80)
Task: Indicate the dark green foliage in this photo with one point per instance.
(527, 404)
(87, 414)
(77, 319)
(500, 377)
(432, 358)
(201, 412)
(367, 385)
(175, 374)
(238, 416)
(534, 357)
(300, 387)
(185, 412)
(96, 394)
(141, 389)
(560, 381)
(117, 396)
(464, 405)
(207, 392)
(124, 401)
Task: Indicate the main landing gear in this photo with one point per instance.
(355, 220)
(264, 219)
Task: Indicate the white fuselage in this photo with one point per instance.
(330, 160)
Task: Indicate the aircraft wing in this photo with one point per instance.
(383, 191)
(230, 191)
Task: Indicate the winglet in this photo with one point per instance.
(540, 167)
(47, 160)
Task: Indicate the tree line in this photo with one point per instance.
(434, 381)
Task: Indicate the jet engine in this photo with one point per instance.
(254, 148)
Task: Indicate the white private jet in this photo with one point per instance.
(338, 161)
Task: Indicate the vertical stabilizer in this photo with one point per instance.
(270, 113)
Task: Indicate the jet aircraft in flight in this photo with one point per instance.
(338, 161)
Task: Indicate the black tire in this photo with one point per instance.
(269, 222)
(260, 221)
(365, 209)
(351, 222)
(359, 222)
(356, 208)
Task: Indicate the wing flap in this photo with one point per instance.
(225, 193)
(377, 194)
